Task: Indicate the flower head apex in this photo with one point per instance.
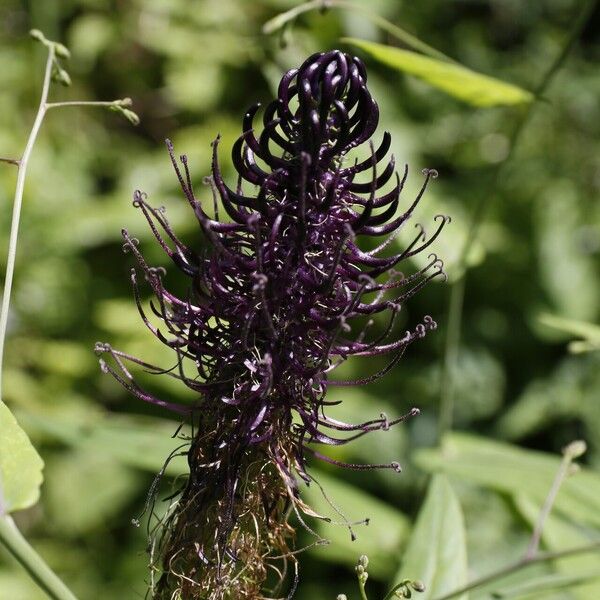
(281, 292)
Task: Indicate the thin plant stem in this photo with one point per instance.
(107, 104)
(448, 379)
(485, 200)
(410, 40)
(34, 564)
(390, 594)
(9, 534)
(362, 590)
(403, 584)
(561, 474)
(10, 161)
(518, 565)
(17, 203)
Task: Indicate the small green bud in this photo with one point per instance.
(363, 561)
(131, 117)
(117, 106)
(61, 51)
(36, 34)
(575, 449)
(61, 76)
(418, 586)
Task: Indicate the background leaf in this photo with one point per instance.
(20, 466)
(454, 79)
(513, 470)
(574, 328)
(135, 441)
(437, 553)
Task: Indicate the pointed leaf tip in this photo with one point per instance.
(453, 79)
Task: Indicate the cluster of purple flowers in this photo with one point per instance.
(280, 294)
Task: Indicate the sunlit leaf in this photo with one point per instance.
(509, 469)
(437, 553)
(20, 466)
(457, 81)
(104, 487)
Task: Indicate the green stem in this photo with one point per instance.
(410, 40)
(517, 566)
(10, 161)
(17, 203)
(81, 103)
(10, 536)
(482, 205)
(33, 563)
(561, 474)
(448, 380)
(390, 594)
(361, 589)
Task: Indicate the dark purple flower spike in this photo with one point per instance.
(280, 295)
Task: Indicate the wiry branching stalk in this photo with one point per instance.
(10, 536)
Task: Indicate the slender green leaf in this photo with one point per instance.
(141, 442)
(509, 469)
(437, 553)
(20, 466)
(457, 81)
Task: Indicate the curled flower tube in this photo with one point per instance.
(281, 293)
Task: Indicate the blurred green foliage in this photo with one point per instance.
(192, 67)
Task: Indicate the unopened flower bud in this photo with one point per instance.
(61, 51)
(131, 117)
(61, 76)
(36, 34)
(575, 449)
